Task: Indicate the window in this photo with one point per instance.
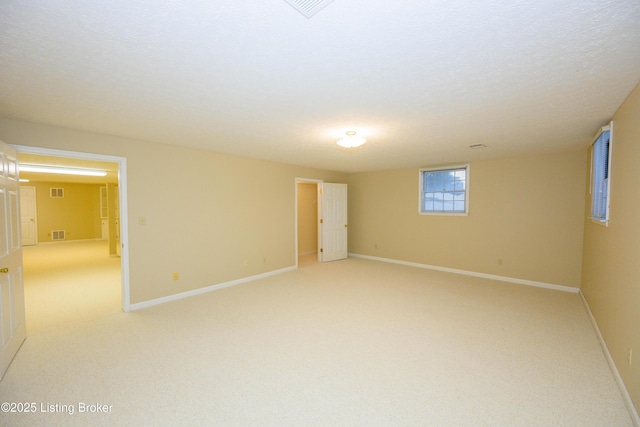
(444, 190)
(600, 172)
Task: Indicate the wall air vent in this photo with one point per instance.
(57, 235)
(308, 7)
(56, 193)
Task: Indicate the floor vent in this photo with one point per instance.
(308, 7)
(57, 235)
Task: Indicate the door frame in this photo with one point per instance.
(124, 211)
(319, 230)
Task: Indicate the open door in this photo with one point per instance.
(333, 221)
(12, 326)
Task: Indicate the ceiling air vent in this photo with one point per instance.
(308, 7)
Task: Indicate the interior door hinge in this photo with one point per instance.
(321, 221)
(321, 250)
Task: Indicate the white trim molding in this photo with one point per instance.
(187, 294)
(124, 209)
(474, 274)
(612, 365)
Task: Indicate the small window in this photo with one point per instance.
(600, 173)
(444, 190)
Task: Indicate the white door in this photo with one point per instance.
(105, 229)
(12, 326)
(333, 221)
(28, 226)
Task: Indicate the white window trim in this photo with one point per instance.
(444, 168)
(603, 222)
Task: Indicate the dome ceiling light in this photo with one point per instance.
(351, 140)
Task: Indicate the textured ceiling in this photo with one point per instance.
(422, 80)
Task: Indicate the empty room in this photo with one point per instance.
(337, 212)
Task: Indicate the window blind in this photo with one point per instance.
(600, 178)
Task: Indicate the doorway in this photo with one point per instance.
(321, 220)
(307, 221)
(116, 262)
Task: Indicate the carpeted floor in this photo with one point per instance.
(349, 343)
(70, 282)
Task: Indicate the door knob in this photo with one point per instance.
(4, 270)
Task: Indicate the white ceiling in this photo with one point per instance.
(422, 80)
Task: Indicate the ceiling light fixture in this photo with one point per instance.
(351, 140)
(24, 167)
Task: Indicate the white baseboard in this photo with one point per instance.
(181, 295)
(54, 242)
(473, 273)
(614, 369)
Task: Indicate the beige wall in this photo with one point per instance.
(526, 212)
(307, 218)
(77, 213)
(611, 271)
(206, 213)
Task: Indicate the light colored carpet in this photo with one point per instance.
(348, 343)
(70, 282)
